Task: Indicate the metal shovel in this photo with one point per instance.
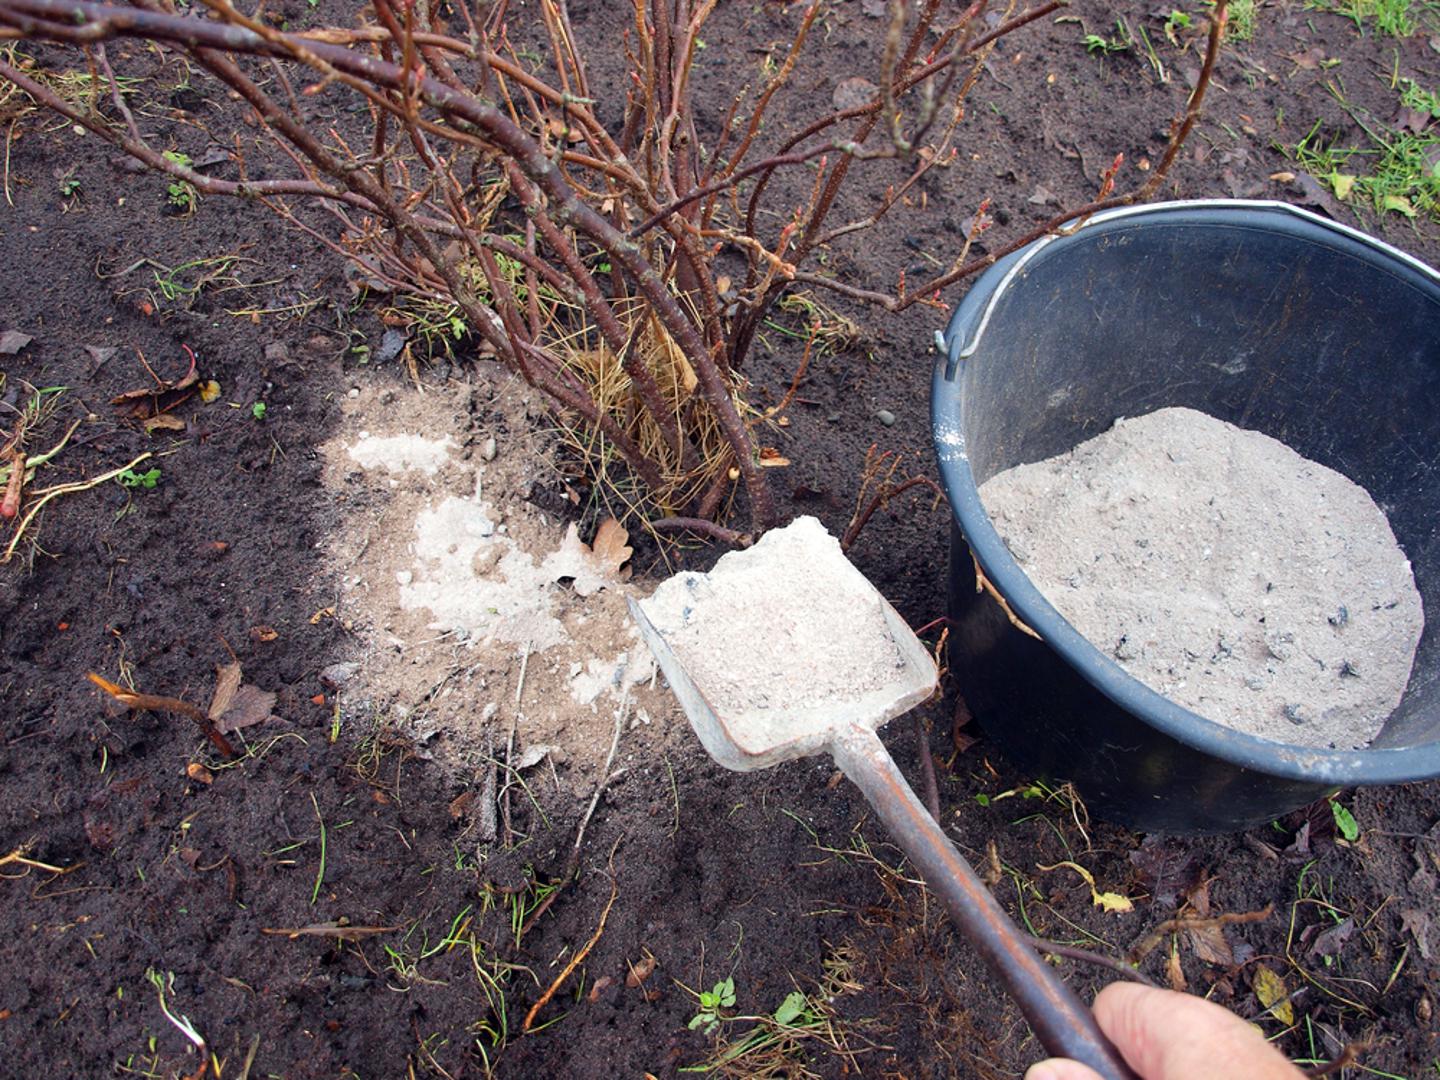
(1064, 1026)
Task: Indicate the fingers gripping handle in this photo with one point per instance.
(1064, 1026)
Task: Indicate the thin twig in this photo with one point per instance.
(572, 863)
(581, 953)
(704, 527)
(927, 767)
(1072, 952)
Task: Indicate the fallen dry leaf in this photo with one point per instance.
(1308, 60)
(1417, 922)
(589, 568)
(532, 756)
(1109, 901)
(100, 354)
(251, 706)
(227, 681)
(199, 773)
(1210, 945)
(323, 613)
(640, 971)
(770, 458)
(263, 633)
(1174, 973)
(611, 545)
(1272, 993)
(462, 803)
(152, 402)
(163, 422)
(12, 341)
(1330, 942)
(1166, 870)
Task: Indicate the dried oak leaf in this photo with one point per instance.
(235, 704)
(611, 546)
(591, 567)
(251, 706)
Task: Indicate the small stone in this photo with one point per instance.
(488, 449)
(277, 352)
(1296, 714)
(337, 675)
(1340, 618)
(404, 577)
(353, 392)
(886, 417)
(1280, 644)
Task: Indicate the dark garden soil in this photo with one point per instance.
(178, 865)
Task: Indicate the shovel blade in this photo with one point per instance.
(757, 741)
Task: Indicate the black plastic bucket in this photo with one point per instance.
(1259, 314)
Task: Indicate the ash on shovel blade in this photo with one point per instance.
(787, 640)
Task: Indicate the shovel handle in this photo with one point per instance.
(1062, 1023)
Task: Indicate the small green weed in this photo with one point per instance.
(1392, 18)
(1345, 823)
(1099, 43)
(1398, 172)
(711, 1002)
(258, 410)
(147, 480)
(1176, 21)
(69, 184)
(181, 194)
(1240, 26)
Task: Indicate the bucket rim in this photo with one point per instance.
(1338, 768)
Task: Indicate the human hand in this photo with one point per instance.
(1163, 1035)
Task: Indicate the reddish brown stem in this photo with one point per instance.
(704, 527)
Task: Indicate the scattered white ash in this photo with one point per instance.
(1222, 569)
(462, 594)
(397, 453)
(781, 628)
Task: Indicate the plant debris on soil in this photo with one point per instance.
(448, 822)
